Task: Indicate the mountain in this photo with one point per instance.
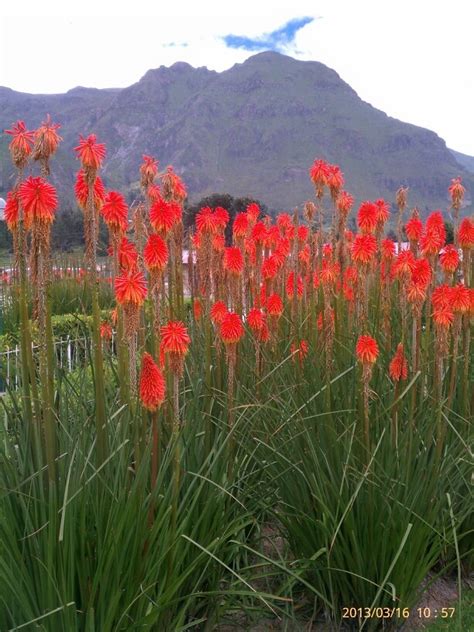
(466, 161)
(253, 130)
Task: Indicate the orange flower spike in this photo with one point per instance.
(335, 180)
(127, 254)
(456, 191)
(197, 309)
(449, 259)
(253, 211)
(344, 203)
(148, 170)
(367, 217)
(367, 350)
(256, 319)
(81, 190)
(152, 384)
(383, 211)
(90, 152)
(115, 212)
(218, 312)
(231, 328)
(466, 234)
(363, 249)
(414, 227)
(21, 144)
(398, 368)
(39, 200)
(233, 260)
(47, 139)
(240, 226)
(174, 338)
(319, 174)
(106, 331)
(155, 253)
(164, 215)
(130, 288)
(460, 299)
(274, 305)
(12, 210)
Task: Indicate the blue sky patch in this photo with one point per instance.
(276, 40)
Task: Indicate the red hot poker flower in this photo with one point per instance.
(130, 288)
(414, 227)
(47, 139)
(367, 350)
(115, 212)
(383, 211)
(218, 312)
(21, 144)
(175, 341)
(466, 234)
(152, 384)
(155, 253)
(164, 215)
(319, 174)
(367, 217)
(240, 226)
(363, 249)
(231, 328)
(460, 298)
(148, 170)
(398, 368)
(253, 211)
(39, 199)
(344, 203)
(456, 191)
(127, 254)
(256, 319)
(233, 260)
(12, 210)
(90, 152)
(274, 305)
(449, 258)
(81, 190)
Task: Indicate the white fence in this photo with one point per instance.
(71, 354)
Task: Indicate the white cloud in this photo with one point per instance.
(408, 58)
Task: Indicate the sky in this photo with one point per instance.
(409, 58)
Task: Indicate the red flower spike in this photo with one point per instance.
(367, 350)
(127, 254)
(21, 144)
(152, 384)
(115, 212)
(130, 288)
(344, 203)
(240, 226)
(39, 200)
(81, 190)
(233, 260)
(466, 234)
(363, 249)
(231, 328)
(218, 312)
(256, 319)
(174, 338)
(12, 210)
(164, 215)
(367, 217)
(449, 258)
(46, 139)
(90, 152)
(155, 253)
(274, 305)
(398, 368)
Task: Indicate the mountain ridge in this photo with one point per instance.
(251, 130)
